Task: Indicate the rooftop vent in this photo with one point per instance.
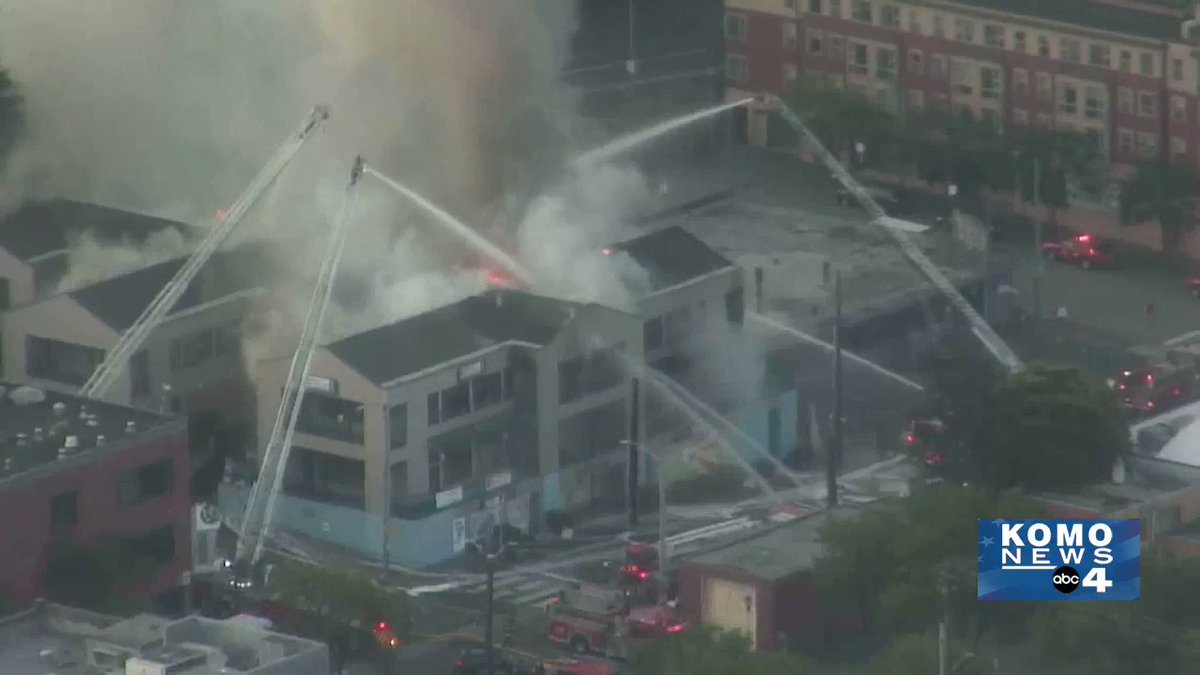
(83, 412)
(99, 439)
(37, 434)
(499, 299)
(93, 422)
(8, 464)
(130, 427)
(27, 395)
(20, 439)
(59, 409)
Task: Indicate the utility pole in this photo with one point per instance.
(1039, 263)
(834, 455)
(489, 609)
(943, 624)
(634, 456)
(631, 62)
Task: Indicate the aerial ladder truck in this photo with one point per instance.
(260, 506)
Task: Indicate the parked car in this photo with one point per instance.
(1193, 285)
(1084, 250)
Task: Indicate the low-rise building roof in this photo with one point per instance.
(42, 227)
(672, 256)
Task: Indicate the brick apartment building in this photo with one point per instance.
(1126, 75)
(74, 472)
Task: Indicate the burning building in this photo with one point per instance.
(503, 400)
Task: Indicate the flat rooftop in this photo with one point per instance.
(56, 639)
(1146, 479)
(35, 424)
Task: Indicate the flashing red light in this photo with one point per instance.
(495, 278)
(910, 439)
(935, 458)
(1084, 238)
(459, 665)
(1150, 405)
(1126, 373)
(1091, 251)
(1149, 378)
(1121, 386)
(606, 251)
(643, 574)
(381, 627)
(675, 628)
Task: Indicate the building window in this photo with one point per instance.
(1019, 41)
(889, 16)
(993, 35)
(735, 305)
(139, 374)
(1068, 100)
(156, 546)
(885, 63)
(816, 44)
(150, 481)
(735, 27)
(1147, 145)
(815, 7)
(959, 77)
(964, 30)
(860, 10)
(859, 58)
(1094, 107)
(938, 67)
(916, 99)
(1021, 81)
(989, 83)
(916, 63)
(331, 417)
(588, 374)
(789, 74)
(1146, 64)
(64, 509)
(1178, 109)
(1147, 104)
(835, 8)
(5, 293)
(433, 404)
(1177, 69)
(64, 362)
(939, 28)
(398, 425)
(487, 390)
(191, 351)
(1043, 46)
(652, 333)
(1178, 148)
(1125, 61)
(1020, 116)
(736, 68)
(324, 477)
(1045, 88)
(456, 401)
(837, 47)
(1069, 50)
(1098, 55)
(1124, 142)
(789, 34)
(1125, 101)
(914, 21)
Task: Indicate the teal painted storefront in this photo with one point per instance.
(430, 539)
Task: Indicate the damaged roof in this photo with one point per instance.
(38, 228)
(425, 340)
(672, 256)
(119, 301)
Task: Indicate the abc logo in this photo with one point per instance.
(1066, 579)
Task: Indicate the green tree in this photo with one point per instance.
(703, 650)
(1051, 159)
(843, 117)
(1049, 427)
(12, 115)
(1161, 191)
(887, 566)
(919, 654)
(950, 147)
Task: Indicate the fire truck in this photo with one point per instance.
(593, 620)
(922, 440)
(636, 576)
(1167, 377)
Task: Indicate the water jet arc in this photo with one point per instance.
(622, 144)
(458, 229)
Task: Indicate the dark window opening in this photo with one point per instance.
(192, 350)
(508, 383)
(398, 488)
(434, 405)
(151, 481)
(324, 477)
(139, 374)
(735, 306)
(156, 546)
(652, 333)
(570, 379)
(589, 374)
(487, 390)
(398, 425)
(449, 462)
(592, 433)
(64, 362)
(227, 339)
(456, 401)
(5, 294)
(331, 417)
(64, 509)
(47, 272)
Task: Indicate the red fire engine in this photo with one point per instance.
(595, 620)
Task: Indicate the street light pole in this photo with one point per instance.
(834, 453)
(1037, 240)
(662, 516)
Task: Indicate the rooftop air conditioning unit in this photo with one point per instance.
(27, 395)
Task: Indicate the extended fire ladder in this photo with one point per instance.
(131, 341)
(260, 506)
(994, 343)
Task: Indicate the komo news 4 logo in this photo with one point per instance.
(1031, 560)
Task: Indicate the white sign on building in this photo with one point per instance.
(460, 534)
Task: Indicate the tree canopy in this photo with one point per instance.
(1161, 191)
(703, 650)
(919, 654)
(842, 117)
(1048, 427)
(339, 596)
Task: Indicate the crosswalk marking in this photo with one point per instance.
(523, 589)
